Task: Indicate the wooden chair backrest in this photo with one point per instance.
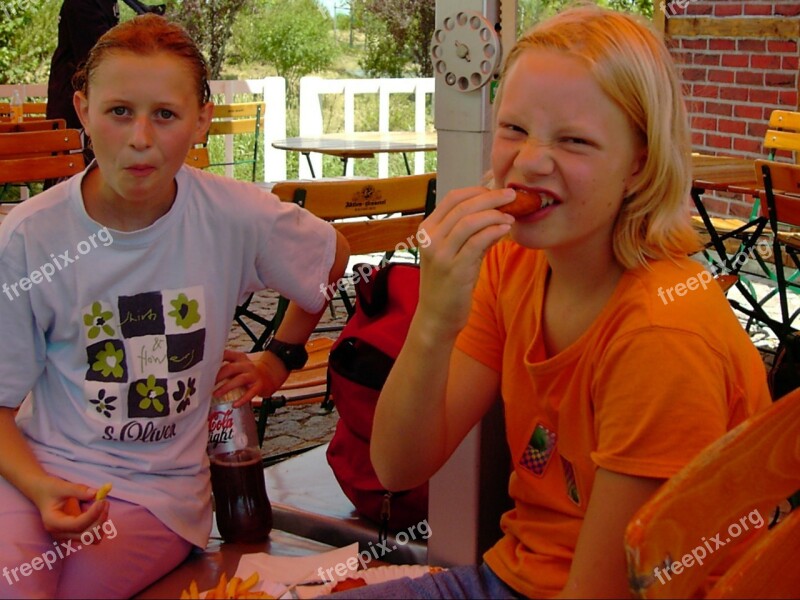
(29, 110)
(239, 117)
(783, 133)
(38, 155)
(41, 125)
(713, 501)
(785, 184)
(408, 197)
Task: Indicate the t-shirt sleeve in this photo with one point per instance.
(659, 398)
(296, 255)
(482, 338)
(22, 347)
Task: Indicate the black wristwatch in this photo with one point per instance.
(293, 356)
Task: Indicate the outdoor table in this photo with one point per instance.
(206, 567)
(360, 145)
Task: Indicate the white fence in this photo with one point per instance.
(273, 91)
(311, 113)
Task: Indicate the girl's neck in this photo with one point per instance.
(579, 286)
(117, 213)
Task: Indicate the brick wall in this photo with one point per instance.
(738, 62)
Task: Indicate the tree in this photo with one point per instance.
(294, 36)
(27, 39)
(398, 36)
(209, 22)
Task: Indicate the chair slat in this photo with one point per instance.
(27, 126)
(785, 119)
(233, 127)
(782, 140)
(40, 168)
(342, 199)
(238, 110)
(15, 145)
(367, 237)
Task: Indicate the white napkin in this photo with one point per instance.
(290, 570)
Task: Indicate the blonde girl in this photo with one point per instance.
(607, 390)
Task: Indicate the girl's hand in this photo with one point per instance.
(461, 230)
(62, 514)
(261, 377)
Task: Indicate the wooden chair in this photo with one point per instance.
(235, 119)
(38, 155)
(407, 197)
(783, 133)
(402, 202)
(779, 196)
(689, 528)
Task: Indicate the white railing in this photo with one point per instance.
(273, 91)
(311, 112)
(311, 117)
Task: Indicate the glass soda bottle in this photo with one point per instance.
(16, 107)
(243, 511)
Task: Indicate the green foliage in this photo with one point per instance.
(294, 36)
(209, 22)
(398, 36)
(530, 12)
(28, 33)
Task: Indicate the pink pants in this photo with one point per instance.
(136, 550)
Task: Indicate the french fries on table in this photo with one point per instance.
(224, 590)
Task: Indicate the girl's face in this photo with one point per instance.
(142, 115)
(558, 133)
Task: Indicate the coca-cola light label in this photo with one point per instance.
(230, 429)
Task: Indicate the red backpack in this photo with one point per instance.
(360, 361)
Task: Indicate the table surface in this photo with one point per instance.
(207, 567)
(361, 144)
(722, 172)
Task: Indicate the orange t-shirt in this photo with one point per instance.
(656, 378)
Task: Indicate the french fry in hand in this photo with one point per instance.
(102, 492)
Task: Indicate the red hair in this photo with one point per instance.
(146, 35)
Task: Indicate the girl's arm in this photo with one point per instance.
(266, 375)
(19, 466)
(435, 394)
(599, 568)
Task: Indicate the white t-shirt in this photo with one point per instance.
(119, 335)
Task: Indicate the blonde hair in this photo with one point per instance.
(634, 68)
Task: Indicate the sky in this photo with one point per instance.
(329, 4)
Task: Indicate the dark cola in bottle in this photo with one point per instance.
(242, 508)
